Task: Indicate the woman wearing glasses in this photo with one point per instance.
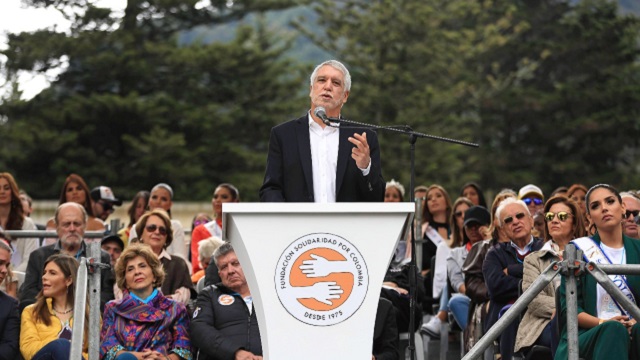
(563, 223)
(605, 329)
(156, 232)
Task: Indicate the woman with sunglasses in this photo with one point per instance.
(144, 324)
(605, 329)
(563, 223)
(156, 232)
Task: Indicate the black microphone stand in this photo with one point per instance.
(413, 137)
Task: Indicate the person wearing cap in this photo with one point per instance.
(103, 202)
(533, 197)
(114, 246)
(476, 223)
(503, 266)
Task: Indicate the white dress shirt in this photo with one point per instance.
(324, 160)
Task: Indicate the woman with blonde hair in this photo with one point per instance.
(155, 231)
(144, 324)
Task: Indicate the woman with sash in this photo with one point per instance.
(144, 324)
(606, 330)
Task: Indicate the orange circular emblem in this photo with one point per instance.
(225, 299)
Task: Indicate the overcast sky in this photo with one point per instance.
(15, 18)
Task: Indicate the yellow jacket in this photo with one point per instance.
(35, 335)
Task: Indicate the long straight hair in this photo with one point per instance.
(69, 267)
(16, 212)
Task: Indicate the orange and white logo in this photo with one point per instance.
(321, 279)
(226, 299)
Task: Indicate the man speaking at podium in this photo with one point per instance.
(315, 158)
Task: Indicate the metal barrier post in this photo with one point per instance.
(94, 299)
(519, 306)
(80, 304)
(573, 263)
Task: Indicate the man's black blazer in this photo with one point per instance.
(9, 328)
(289, 172)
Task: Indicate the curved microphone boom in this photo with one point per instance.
(322, 114)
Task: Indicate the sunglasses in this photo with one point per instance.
(152, 228)
(633, 213)
(199, 222)
(562, 216)
(509, 219)
(458, 214)
(536, 201)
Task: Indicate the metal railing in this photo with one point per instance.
(571, 267)
(89, 274)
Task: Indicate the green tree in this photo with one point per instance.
(548, 88)
(133, 106)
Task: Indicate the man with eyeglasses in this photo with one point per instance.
(533, 197)
(71, 222)
(503, 266)
(631, 217)
(104, 202)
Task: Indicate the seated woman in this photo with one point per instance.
(75, 190)
(604, 326)
(144, 324)
(206, 248)
(563, 222)
(46, 326)
(155, 231)
(134, 211)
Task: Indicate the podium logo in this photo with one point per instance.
(321, 279)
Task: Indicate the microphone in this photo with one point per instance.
(322, 114)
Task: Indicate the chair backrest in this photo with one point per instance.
(200, 285)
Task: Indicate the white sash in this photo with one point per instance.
(592, 252)
(433, 235)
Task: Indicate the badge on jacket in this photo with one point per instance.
(225, 299)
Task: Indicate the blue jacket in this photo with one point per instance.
(503, 289)
(9, 327)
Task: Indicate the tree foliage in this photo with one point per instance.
(549, 89)
(135, 107)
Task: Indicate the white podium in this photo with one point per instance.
(315, 272)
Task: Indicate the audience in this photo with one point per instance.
(563, 222)
(144, 324)
(114, 246)
(155, 231)
(206, 248)
(13, 217)
(9, 316)
(75, 190)
(476, 218)
(533, 197)
(70, 220)
(46, 326)
(473, 192)
(104, 202)
(222, 194)
(134, 211)
(632, 215)
(503, 267)
(476, 280)
(221, 329)
(606, 331)
(440, 284)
